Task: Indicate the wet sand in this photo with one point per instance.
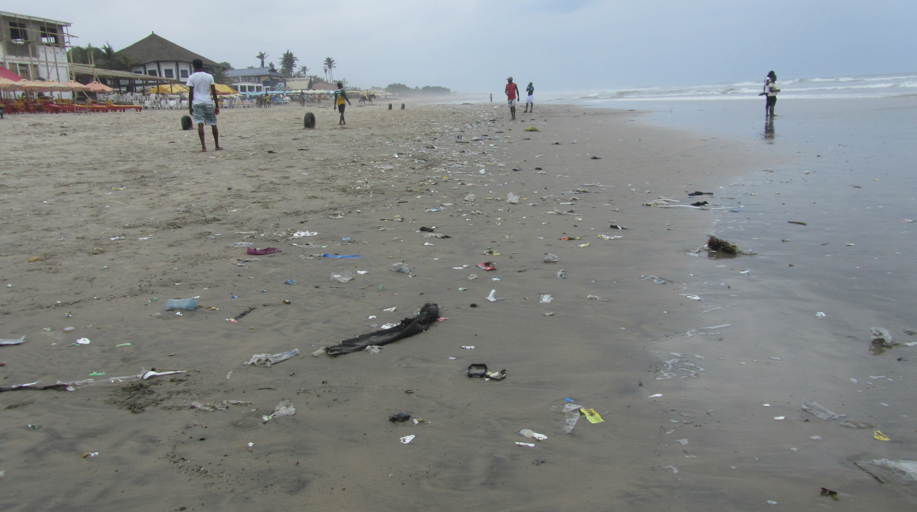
(72, 187)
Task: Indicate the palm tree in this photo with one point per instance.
(303, 70)
(219, 76)
(288, 62)
(109, 55)
(329, 67)
(262, 56)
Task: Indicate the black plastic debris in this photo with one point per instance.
(401, 417)
(407, 328)
(699, 193)
(719, 245)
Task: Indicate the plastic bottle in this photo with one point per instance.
(819, 410)
(189, 304)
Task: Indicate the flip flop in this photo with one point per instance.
(261, 252)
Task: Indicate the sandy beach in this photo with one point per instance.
(110, 215)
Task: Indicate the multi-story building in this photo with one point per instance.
(254, 80)
(34, 48)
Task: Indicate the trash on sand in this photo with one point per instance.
(890, 471)
(240, 244)
(81, 341)
(407, 328)
(520, 443)
(284, 408)
(820, 314)
(487, 265)
(561, 274)
(856, 424)
(300, 234)
(254, 251)
(153, 373)
(467, 347)
(829, 493)
(617, 226)
(326, 255)
(657, 280)
(719, 245)
(699, 193)
(187, 304)
(879, 436)
(591, 415)
(269, 359)
(407, 439)
(480, 370)
(401, 417)
(550, 258)
(374, 349)
(342, 277)
(606, 237)
(221, 405)
(529, 433)
(596, 297)
(819, 410)
(571, 416)
(881, 341)
(18, 341)
(657, 395)
(492, 298)
(242, 314)
(796, 222)
(512, 198)
(546, 299)
(401, 267)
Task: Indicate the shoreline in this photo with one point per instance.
(383, 165)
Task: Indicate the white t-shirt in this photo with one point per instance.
(201, 81)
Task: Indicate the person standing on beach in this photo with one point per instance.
(770, 90)
(512, 93)
(340, 96)
(204, 105)
(530, 98)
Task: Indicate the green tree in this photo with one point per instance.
(219, 76)
(108, 56)
(226, 66)
(262, 56)
(398, 89)
(270, 65)
(303, 70)
(329, 67)
(288, 62)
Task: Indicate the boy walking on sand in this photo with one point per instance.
(512, 93)
(204, 106)
(340, 96)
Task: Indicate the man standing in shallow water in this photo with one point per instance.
(512, 93)
(204, 106)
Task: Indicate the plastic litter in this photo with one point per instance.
(407, 439)
(153, 373)
(18, 341)
(591, 415)
(546, 299)
(492, 298)
(401, 417)
(512, 198)
(561, 274)
(342, 277)
(819, 410)
(187, 304)
(284, 408)
(879, 436)
(408, 327)
(520, 443)
(271, 359)
(571, 416)
(326, 255)
(401, 267)
(550, 258)
(487, 265)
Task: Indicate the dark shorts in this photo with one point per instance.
(771, 101)
(341, 108)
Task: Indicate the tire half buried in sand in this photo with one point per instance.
(186, 123)
(309, 120)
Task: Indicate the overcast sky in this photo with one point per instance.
(560, 45)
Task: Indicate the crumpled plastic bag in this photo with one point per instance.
(269, 359)
(902, 472)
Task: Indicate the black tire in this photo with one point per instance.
(309, 120)
(402, 106)
(186, 123)
(389, 106)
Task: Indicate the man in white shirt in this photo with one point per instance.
(203, 105)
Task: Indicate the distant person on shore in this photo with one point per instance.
(340, 96)
(203, 105)
(770, 90)
(491, 98)
(512, 93)
(530, 98)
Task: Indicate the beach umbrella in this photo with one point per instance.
(32, 86)
(53, 86)
(168, 89)
(76, 86)
(225, 89)
(96, 86)
(8, 85)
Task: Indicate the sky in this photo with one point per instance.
(472, 46)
